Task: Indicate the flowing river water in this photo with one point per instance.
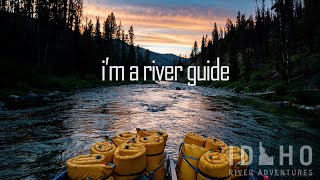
(36, 142)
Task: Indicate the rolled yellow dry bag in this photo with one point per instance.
(146, 133)
(130, 161)
(191, 157)
(124, 137)
(213, 165)
(193, 138)
(190, 138)
(234, 153)
(88, 166)
(155, 146)
(215, 145)
(105, 148)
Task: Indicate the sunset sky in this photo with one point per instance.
(169, 26)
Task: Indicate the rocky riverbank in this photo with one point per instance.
(31, 99)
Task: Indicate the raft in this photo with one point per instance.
(142, 156)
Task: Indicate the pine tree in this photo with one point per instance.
(194, 52)
(97, 29)
(234, 66)
(123, 49)
(298, 9)
(110, 27)
(312, 18)
(88, 29)
(131, 36)
(28, 7)
(77, 28)
(215, 34)
(118, 31)
(42, 11)
(3, 5)
(132, 53)
(203, 48)
(195, 48)
(70, 14)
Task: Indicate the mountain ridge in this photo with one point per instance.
(166, 59)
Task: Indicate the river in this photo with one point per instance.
(36, 142)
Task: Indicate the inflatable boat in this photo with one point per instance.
(169, 164)
(142, 156)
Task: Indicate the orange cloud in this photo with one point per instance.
(159, 27)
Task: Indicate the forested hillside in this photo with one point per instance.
(44, 44)
(277, 49)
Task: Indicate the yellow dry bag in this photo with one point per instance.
(190, 138)
(88, 166)
(193, 138)
(146, 133)
(235, 154)
(191, 156)
(130, 161)
(155, 146)
(215, 145)
(213, 165)
(105, 148)
(124, 137)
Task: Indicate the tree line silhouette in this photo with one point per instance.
(272, 37)
(53, 38)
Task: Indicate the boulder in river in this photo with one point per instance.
(46, 99)
(2, 105)
(284, 104)
(32, 95)
(53, 94)
(14, 97)
(178, 88)
(156, 108)
(306, 108)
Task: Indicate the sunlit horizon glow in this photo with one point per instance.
(168, 26)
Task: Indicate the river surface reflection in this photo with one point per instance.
(35, 142)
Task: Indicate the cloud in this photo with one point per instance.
(161, 23)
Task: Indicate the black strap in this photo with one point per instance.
(113, 142)
(180, 147)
